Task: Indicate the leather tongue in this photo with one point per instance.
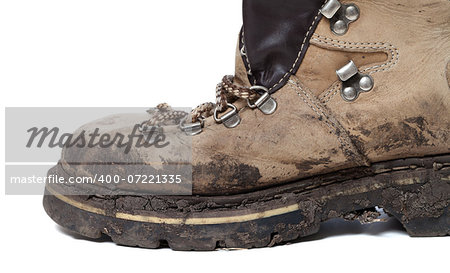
(276, 37)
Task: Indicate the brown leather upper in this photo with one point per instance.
(403, 44)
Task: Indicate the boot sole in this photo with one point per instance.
(415, 191)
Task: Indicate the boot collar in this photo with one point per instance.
(275, 38)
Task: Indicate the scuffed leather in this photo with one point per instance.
(407, 114)
(274, 34)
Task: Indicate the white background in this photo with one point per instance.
(141, 53)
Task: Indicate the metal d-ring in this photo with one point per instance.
(192, 129)
(265, 103)
(230, 119)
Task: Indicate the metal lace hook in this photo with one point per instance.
(230, 119)
(192, 129)
(265, 103)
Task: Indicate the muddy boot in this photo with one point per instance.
(335, 108)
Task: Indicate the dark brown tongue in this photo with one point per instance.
(276, 37)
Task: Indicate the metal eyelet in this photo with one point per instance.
(340, 15)
(353, 82)
(230, 119)
(266, 104)
(192, 129)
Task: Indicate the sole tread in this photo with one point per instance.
(419, 198)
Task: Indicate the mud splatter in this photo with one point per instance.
(412, 133)
(307, 165)
(225, 171)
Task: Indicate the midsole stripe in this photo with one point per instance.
(178, 221)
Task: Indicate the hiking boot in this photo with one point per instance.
(335, 109)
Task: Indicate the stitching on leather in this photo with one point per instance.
(299, 53)
(246, 55)
(319, 114)
(388, 48)
(347, 145)
(335, 87)
(330, 125)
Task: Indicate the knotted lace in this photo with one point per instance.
(226, 92)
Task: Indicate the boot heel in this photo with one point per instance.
(423, 209)
(428, 226)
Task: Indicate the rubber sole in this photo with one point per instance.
(415, 191)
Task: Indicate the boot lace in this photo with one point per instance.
(226, 92)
